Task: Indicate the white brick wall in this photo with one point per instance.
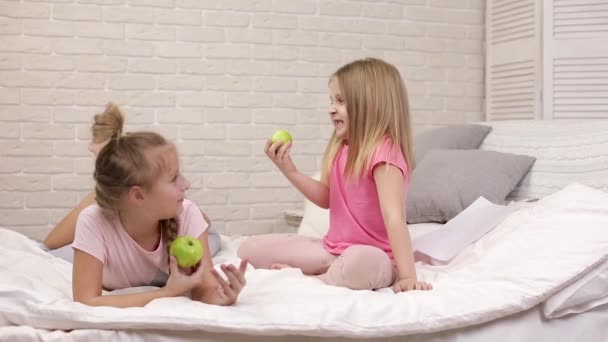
(218, 77)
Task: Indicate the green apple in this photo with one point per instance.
(187, 250)
(282, 136)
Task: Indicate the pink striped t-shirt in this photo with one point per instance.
(355, 217)
(126, 263)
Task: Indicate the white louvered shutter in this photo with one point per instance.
(513, 59)
(575, 62)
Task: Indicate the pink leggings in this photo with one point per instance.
(359, 267)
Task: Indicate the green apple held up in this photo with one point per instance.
(281, 136)
(187, 250)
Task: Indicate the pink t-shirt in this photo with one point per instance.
(126, 263)
(355, 217)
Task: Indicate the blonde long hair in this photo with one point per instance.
(377, 106)
(127, 160)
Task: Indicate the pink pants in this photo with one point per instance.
(359, 267)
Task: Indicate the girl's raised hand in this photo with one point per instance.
(228, 291)
(180, 282)
(279, 153)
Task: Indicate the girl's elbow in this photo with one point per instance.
(90, 301)
(323, 203)
(51, 241)
(325, 200)
(85, 301)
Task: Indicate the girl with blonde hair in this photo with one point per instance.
(123, 239)
(364, 181)
(106, 125)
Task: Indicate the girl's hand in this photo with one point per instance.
(409, 284)
(279, 154)
(228, 291)
(179, 281)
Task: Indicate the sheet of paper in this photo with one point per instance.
(463, 230)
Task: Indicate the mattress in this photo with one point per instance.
(533, 254)
(528, 326)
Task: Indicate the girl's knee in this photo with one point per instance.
(249, 248)
(361, 267)
(264, 250)
(365, 259)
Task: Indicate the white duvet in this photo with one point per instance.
(535, 252)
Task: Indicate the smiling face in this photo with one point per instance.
(337, 109)
(166, 194)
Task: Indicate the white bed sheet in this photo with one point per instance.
(528, 326)
(510, 270)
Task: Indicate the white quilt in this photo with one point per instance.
(536, 251)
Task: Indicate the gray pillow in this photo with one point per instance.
(455, 137)
(445, 182)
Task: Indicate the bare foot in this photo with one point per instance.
(279, 266)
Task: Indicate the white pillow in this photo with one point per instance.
(315, 222)
(566, 151)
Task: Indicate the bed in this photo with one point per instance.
(526, 326)
(541, 274)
